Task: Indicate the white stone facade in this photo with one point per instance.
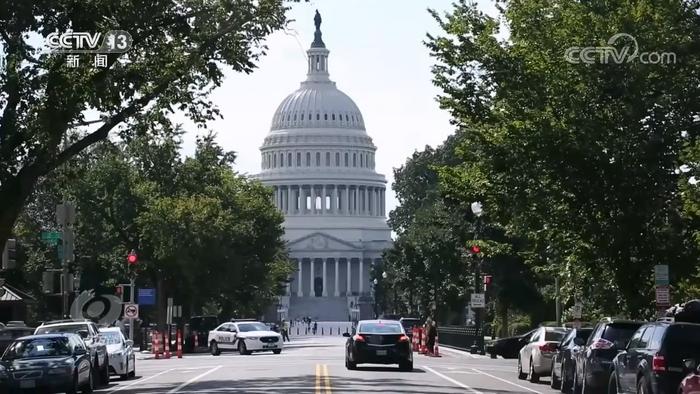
(320, 162)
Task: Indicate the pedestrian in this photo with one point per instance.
(315, 327)
(432, 333)
(285, 331)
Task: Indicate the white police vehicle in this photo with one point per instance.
(244, 336)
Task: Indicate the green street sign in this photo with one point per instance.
(50, 235)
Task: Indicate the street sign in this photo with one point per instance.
(663, 296)
(147, 296)
(661, 275)
(131, 311)
(478, 300)
(578, 311)
(50, 235)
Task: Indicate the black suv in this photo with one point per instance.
(594, 361)
(564, 360)
(653, 359)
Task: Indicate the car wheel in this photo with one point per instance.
(243, 349)
(90, 385)
(521, 375)
(406, 366)
(214, 348)
(277, 351)
(133, 371)
(104, 373)
(612, 383)
(564, 383)
(555, 382)
(533, 377)
(643, 386)
(349, 364)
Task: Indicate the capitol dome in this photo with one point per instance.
(320, 163)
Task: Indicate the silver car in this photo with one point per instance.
(122, 359)
(536, 356)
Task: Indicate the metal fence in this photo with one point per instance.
(462, 337)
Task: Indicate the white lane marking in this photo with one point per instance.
(507, 381)
(194, 379)
(455, 382)
(139, 381)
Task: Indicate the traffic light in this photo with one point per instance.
(475, 249)
(488, 279)
(132, 259)
(9, 255)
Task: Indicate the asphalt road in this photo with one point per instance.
(316, 365)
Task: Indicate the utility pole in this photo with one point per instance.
(65, 217)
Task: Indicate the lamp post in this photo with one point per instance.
(374, 288)
(477, 210)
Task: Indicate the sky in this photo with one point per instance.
(377, 57)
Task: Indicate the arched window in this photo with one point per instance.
(302, 116)
(354, 159)
(274, 161)
(298, 159)
(318, 116)
(328, 159)
(325, 116)
(289, 159)
(332, 116)
(281, 159)
(318, 159)
(361, 161)
(346, 160)
(367, 161)
(337, 159)
(308, 159)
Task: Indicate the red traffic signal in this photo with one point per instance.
(132, 258)
(119, 290)
(488, 279)
(475, 249)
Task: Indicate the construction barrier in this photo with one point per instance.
(423, 345)
(155, 338)
(166, 341)
(196, 341)
(435, 352)
(179, 343)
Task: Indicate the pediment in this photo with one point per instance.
(321, 241)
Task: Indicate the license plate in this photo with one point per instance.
(27, 384)
(269, 346)
(381, 352)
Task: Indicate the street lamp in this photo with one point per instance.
(376, 282)
(478, 210)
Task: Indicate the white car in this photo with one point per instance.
(245, 337)
(122, 359)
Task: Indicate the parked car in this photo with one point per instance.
(12, 331)
(594, 361)
(509, 347)
(122, 359)
(653, 361)
(91, 336)
(564, 360)
(536, 356)
(49, 361)
(691, 383)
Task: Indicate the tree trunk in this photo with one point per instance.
(162, 300)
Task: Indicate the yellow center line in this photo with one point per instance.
(318, 378)
(327, 379)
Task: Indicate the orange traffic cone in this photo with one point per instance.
(179, 343)
(167, 345)
(155, 339)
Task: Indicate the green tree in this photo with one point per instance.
(576, 158)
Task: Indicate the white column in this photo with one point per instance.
(378, 209)
(336, 291)
(312, 292)
(300, 291)
(366, 211)
(349, 284)
(324, 208)
(361, 279)
(313, 199)
(325, 290)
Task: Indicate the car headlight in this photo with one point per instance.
(252, 338)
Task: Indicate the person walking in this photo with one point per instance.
(432, 333)
(285, 331)
(315, 327)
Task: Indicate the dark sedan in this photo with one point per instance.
(509, 347)
(564, 361)
(379, 342)
(58, 362)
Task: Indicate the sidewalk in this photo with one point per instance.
(461, 352)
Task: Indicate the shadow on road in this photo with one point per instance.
(387, 369)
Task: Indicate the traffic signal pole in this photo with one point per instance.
(131, 321)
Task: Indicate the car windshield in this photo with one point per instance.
(111, 337)
(38, 347)
(72, 328)
(620, 332)
(379, 328)
(246, 327)
(554, 335)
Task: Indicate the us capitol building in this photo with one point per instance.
(320, 161)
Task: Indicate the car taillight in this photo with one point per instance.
(548, 348)
(403, 338)
(602, 344)
(358, 338)
(658, 363)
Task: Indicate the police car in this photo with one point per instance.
(244, 336)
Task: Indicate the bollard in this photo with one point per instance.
(166, 341)
(196, 341)
(436, 350)
(156, 348)
(179, 343)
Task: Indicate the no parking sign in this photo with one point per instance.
(131, 311)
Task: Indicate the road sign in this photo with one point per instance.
(50, 235)
(147, 296)
(578, 311)
(663, 296)
(478, 300)
(131, 311)
(661, 275)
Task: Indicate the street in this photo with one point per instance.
(316, 365)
